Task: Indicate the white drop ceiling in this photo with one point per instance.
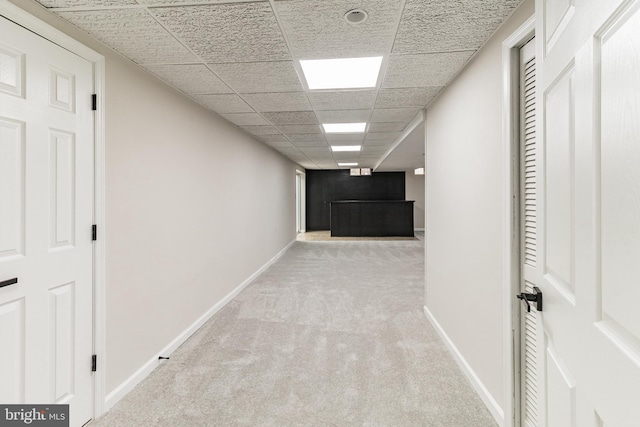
(241, 59)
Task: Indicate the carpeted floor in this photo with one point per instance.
(325, 236)
(333, 334)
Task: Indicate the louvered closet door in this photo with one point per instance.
(529, 403)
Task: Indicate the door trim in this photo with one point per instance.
(511, 238)
(36, 25)
(301, 201)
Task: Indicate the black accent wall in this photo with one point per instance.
(326, 186)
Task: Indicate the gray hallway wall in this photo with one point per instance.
(464, 219)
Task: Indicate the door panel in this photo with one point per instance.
(620, 175)
(12, 359)
(62, 90)
(561, 392)
(11, 77)
(46, 214)
(11, 188)
(62, 151)
(589, 214)
(557, 14)
(559, 118)
(62, 332)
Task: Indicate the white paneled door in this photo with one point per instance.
(46, 212)
(588, 238)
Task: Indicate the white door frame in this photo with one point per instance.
(511, 214)
(40, 27)
(301, 197)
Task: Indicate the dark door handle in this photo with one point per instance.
(9, 282)
(534, 297)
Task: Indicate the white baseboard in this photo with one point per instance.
(142, 372)
(418, 229)
(487, 398)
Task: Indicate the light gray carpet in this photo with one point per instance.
(333, 334)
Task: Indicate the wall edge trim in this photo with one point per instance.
(491, 404)
(143, 371)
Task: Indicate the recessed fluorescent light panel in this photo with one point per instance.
(344, 127)
(346, 147)
(347, 164)
(344, 73)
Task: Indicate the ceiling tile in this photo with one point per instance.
(386, 127)
(394, 114)
(373, 150)
(132, 32)
(338, 137)
(438, 26)
(382, 136)
(229, 32)
(262, 130)
(178, 2)
(293, 118)
(338, 143)
(93, 3)
(286, 150)
(295, 129)
(279, 144)
(343, 100)
(270, 102)
(243, 119)
(434, 69)
(224, 103)
(306, 137)
(343, 116)
(318, 29)
(255, 77)
(406, 97)
(317, 150)
(301, 144)
(347, 157)
(367, 163)
(308, 165)
(273, 138)
(379, 142)
(317, 159)
(298, 159)
(318, 154)
(193, 79)
(232, 57)
(369, 159)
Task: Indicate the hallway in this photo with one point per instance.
(333, 334)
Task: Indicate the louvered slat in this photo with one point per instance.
(528, 236)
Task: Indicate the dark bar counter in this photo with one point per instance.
(371, 218)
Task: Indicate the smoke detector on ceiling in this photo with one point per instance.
(356, 16)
